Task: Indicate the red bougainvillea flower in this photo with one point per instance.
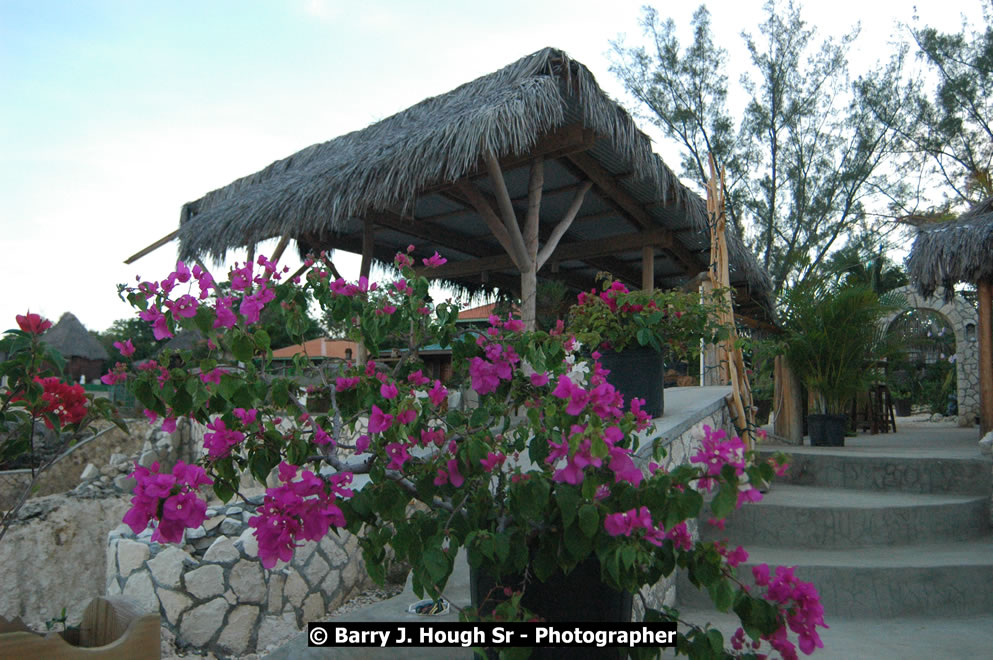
(33, 323)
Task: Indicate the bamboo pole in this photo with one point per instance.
(985, 331)
(731, 356)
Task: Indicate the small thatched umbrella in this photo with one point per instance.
(947, 253)
(85, 356)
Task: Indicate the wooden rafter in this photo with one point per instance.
(615, 194)
(579, 250)
(151, 248)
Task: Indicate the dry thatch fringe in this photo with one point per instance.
(70, 338)
(440, 139)
(951, 252)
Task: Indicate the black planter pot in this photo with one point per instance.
(827, 430)
(637, 372)
(581, 596)
(903, 407)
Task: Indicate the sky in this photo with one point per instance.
(115, 113)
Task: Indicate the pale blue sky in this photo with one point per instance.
(113, 113)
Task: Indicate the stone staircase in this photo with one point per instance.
(882, 533)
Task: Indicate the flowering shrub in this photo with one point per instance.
(34, 393)
(616, 318)
(539, 474)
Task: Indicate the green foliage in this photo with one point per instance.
(812, 160)
(660, 320)
(952, 140)
(833, 338)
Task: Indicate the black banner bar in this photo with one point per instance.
(448, 634)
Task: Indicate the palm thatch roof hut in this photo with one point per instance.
(529, 169)
(84, 354)
(947, 253)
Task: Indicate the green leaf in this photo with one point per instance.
(568, 500)
(242, 347)
(262, 340)
(437, 565)
(724, 503)
(716, 640)
(589, 520)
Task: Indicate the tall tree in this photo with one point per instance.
(955, 139)
(807, 163)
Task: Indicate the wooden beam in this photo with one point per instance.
(507, 211)
(985, 331)
(280, 248)
(484, 209)
(616, 195)
(563, 226)
(152, 248)
(648, 268)
(564, 252)
(368, 246)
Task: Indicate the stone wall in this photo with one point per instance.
(213, 593)
(680, 446)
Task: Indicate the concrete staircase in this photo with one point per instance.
(882, 533)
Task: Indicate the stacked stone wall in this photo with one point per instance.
(679, 449)
(213, 593)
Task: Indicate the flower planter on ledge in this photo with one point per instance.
(638, 372)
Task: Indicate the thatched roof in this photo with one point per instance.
(400, 171)
(947, 253)
(71, 339)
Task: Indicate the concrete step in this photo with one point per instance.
(814, 517)
(891, 470)
(941, 580)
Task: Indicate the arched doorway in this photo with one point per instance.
(961, 317)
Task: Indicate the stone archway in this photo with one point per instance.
(963, 319)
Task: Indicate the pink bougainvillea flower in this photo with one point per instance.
(225, 317)
(343, 383)
(623, 467)
(539, 380)
(185, 306)
(438, 394)
(406, 416)
(379, 421)
(398, 455)
(492, 461)
(219, 442)
(362, 443)
(388, 391)
(126, 348)
(435, 260)
(33, 323)
(213, 376)
(417, 378)
(160, 328)
(169, 424)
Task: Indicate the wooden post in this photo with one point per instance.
(985, 331)
(788, 408)
(648, 268)
(368, 241)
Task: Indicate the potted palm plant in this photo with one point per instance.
(833, 338)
